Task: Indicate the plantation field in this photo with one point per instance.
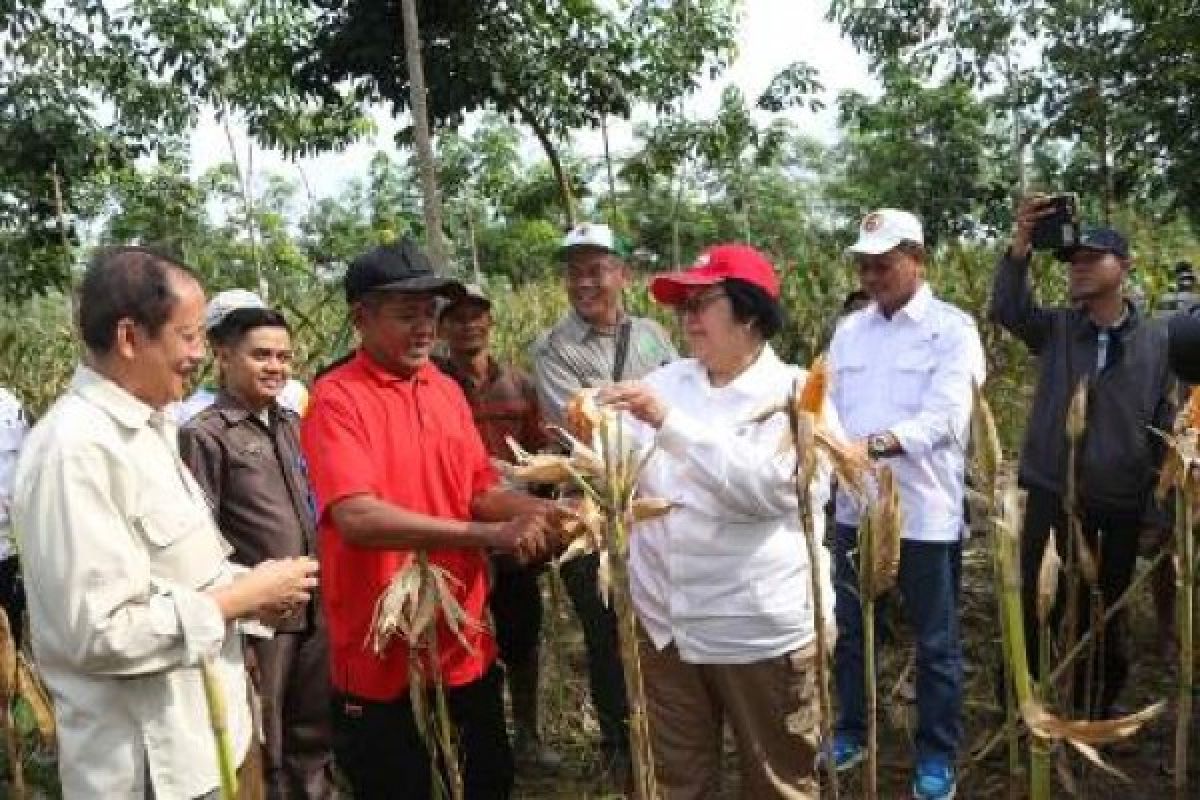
(37, 354)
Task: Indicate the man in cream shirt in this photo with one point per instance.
(903, 369)
(128, 583)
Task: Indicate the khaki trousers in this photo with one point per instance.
(772, 706)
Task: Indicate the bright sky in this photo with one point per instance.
(773, 34)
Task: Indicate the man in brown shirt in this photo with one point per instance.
(244, 450)
(504, 404)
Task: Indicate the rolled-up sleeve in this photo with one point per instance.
(99, 601)
(945, 415)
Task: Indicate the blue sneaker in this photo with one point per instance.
(934, 781)
(847, 752)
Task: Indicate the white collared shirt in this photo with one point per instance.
(13, 428)
(911, 375)
(118, 547)
(725, 575)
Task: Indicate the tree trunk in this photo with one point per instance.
(564, 183)
(432, 203)
(612, 184)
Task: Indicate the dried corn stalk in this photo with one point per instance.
(419, 593)
(8, 690)
(603, 463)
(1181, 474)
(887, 523)
(1080, 734)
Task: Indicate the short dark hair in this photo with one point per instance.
(129, 282)
(752, 304)
(236, 324)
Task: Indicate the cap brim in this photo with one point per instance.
(1065, 254)
(446, 287)
(872, 247)
(670, 289)
(566, 248)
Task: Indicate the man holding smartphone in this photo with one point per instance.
(1102, 341)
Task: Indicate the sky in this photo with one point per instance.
(772, 35)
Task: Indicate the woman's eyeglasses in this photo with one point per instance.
(700, 301)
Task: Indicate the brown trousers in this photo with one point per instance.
(772, 707)
(292, 675)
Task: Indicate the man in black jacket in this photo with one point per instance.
(1121, 356)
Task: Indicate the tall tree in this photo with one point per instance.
(555, 66)
(87, 86)
(919, 148)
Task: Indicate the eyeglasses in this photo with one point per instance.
(700, 301)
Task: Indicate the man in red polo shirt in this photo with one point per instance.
(397, 465)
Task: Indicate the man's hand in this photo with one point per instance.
(1029, 211)
(273, 590)
(638, 399)
(528, 537)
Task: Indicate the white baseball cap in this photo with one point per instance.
(592, 234)
(882, 230)
(225, 303)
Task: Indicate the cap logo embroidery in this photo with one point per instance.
(872, 222)
(702, 260)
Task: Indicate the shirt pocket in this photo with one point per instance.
(851, 380)
(912, 374)
(182, 545)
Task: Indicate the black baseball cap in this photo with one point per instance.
(1106, 240)
(397, 267)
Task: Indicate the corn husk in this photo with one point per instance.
(816, 385)
(1048, 574)
(1077, 412)
(582, 414)
(985, 442)
(8, 660)
(887, 523)
(409, 607)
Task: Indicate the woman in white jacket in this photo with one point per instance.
(722, 584)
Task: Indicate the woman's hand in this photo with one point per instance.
(638, 399)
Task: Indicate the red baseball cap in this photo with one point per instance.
(713, 266)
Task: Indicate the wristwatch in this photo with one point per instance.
(879, 445)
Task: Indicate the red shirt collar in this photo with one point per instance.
(381, 375)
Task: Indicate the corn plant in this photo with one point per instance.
(8, 692)
(214, 697)
(810, 437)
(604, 463)
(1181, 474)
(1004, 520)
(408, 609)
(878, 564)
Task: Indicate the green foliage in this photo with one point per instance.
(553, 65)
(920, 148)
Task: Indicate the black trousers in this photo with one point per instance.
(1118, 534)
(383, 756)
(605, 676)
(12, 596)
(516, 602)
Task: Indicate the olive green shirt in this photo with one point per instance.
(574, 355)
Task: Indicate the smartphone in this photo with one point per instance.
(1060, 228)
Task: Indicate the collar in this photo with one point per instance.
(752, 379)
(1127, 322)
(382, 376)
(106, 395)
(493, 372)
(581, 330)
(234, 412)
(915, 309)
